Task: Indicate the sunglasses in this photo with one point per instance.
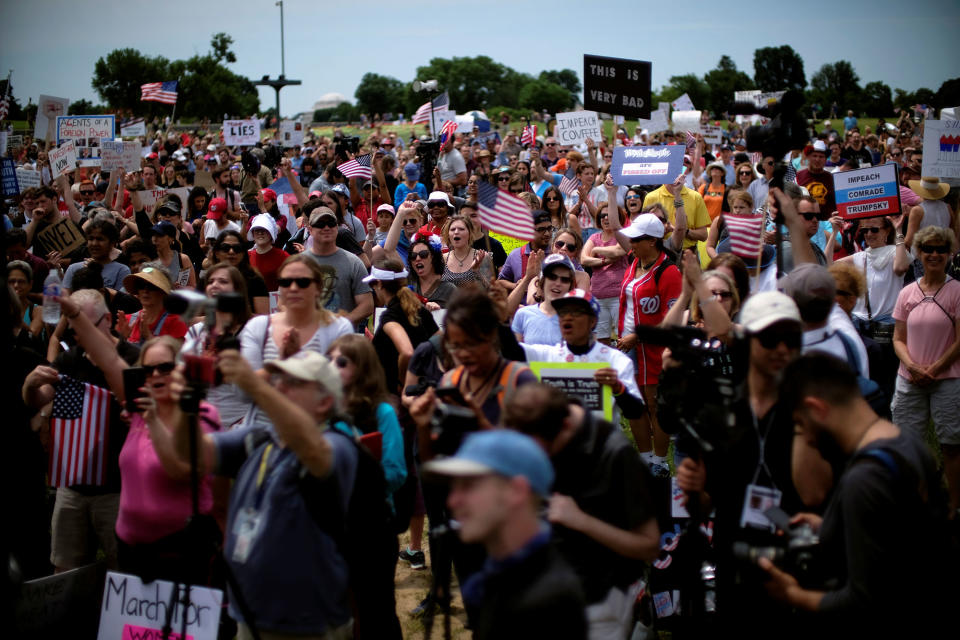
(808, 215)
(302, 283)
(633, 197)
(229, 247)
(433, 204)
(551, 144)
(422, 254)
(560, 244)
(325, 222)
(744, 173)
(503, 179)
(934, 248)
(551, 199)
(516, 190)
(544, 229)
(771, 339)
(164, 368)
(871, 229)
(86, 193)
(411, 221)
(896, 155)
(554, 276)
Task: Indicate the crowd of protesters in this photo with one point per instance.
(372, 342)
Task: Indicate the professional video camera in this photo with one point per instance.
(795, 551)
(344, 145)
(250, 163)
(786, 130)
(428, 149)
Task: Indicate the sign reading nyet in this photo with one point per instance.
(241, 133)
(576, 126)
(617, 86)
(646, 165)
(132, 609)
(868, 192)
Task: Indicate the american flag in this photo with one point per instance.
(449, 128)
(529, 135)
(691, 141)
(503, 212)
(569, 184)
(165, 92)
(441, 102)
(79, 428)
(359, 167)
(4, 107)
(746, 234)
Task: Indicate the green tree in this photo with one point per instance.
(697, 89)
(379, 94)
(85, 107)
(723, 81)
(837, 82)
(16, 112)
(117, 78)
(220, 44)
(948, 95)
(906, 99)
(472, 83)
(877, 100)
(566, 78)
(541, 94)
(778, 68)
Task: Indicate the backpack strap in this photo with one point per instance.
(667, 262)
(508, 379)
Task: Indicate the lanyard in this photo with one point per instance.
(762, 440)
(262, 473)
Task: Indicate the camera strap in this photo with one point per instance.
(762, 442)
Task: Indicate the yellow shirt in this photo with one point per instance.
(697, 215)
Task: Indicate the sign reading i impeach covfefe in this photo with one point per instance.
(868, 192)
(617, 86)
(575, 127)
(646, 165)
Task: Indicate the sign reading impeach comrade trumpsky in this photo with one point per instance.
(616, 86)
(646, 165)
(868, 192)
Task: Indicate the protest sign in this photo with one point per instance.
(59, 605)
(241, 133)
(63, 236)
(646, 165)
(867, 192)
(712, 134)
(746, 97)
(686, 121)
(8, 177)
(576, 379)
(116, 154)
(62, 159)
(13, 142)
(618, 119)
(133, 128)
(483, 137)
(3, 142)
(86, 133)
(28, 178)
(617, 86)
(132, 609)
(683, 103)
(575, 127)
(658, 120)
(464, 124)
(439, 117)
(941, 150)
(150, 197)
(291, 133)
(49, 109)
(203, 179)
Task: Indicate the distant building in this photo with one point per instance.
(329, 101)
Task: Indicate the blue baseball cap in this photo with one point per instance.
(502, 452)
(579, 297)
(341, 189)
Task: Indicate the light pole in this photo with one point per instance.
(282, 81)
(283, 64)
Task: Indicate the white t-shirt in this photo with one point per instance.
(451, 164)
(210, 230)
(884, 286)
(827, 339)
(596, 196)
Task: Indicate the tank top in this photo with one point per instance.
(460, 279)
(936, 213)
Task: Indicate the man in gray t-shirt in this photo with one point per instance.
(350, 293)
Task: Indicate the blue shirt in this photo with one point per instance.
(400, 194)
(536, 327)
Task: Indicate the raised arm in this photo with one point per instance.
(68, 198)
(100, 349)
(287, 169)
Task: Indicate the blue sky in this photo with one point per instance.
(52, 45)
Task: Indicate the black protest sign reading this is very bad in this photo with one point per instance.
(616, 86)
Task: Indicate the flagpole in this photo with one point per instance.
(6, 94)
(173, 115)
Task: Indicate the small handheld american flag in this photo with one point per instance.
(448, 129)
(529, 135)
(746, 233)
(569, 184)
(79, 426)
(503, 212)
(359, 167)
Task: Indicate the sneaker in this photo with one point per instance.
(415, 559)
(428, 604)
(660, 469)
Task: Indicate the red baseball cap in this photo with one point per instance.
(218, 206)
(269, 194)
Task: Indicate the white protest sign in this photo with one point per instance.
(574, 127)
(746, 96)
(12, 142)
(439, 117)
(658, 121)
(618, 119)
(49, 109)
(291, 133)
(149, 198)
(63, 159)
(4, 136)
(115, 154)
(132, 609)
(683, 103)
(86, 133)
(28, 178)
(464, 124)
(241, 133)
(133, 128)
(941, 150)
(712, 134)
(950, 113)
(686, 121)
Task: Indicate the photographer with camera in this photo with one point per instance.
(452, 166)
(889, 496)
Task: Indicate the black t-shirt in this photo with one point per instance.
(499, 254)
(76, 365)
(603, 473)
(858, 157)
(384, 346)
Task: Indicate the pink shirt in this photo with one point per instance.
(930, 332)
(152, 504)
(606, 279)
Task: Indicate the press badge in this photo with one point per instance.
(246, 528)
(757, 500)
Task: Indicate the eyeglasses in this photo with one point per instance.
(551, 144)
(503, 179)
(422, 254)
(722, 295)
(516, 190)
(562, 150)
(549, 229)
(934, 248)
(302, 283)
(896, 155)
(871, 229)
(744, 173)
(551, 199)
(326, 222)
(230, 247)
(163, 368)
(772, 338)
(341, 362)
(560, 244)
(808, 215)
(562, 279)
(434, 204)
(411, 221)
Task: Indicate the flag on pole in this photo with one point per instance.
(503, 212)
(529, 135)
(359, 167)
(79, 426)
(449, 128)
(440, 103)
(165, 92)
(569, 184)
(746, 233)
(5, 103)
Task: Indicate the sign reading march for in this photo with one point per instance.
(576, 126)
(617, 86)
(646, 165)
(868, 192)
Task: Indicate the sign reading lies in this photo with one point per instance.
(617, 86)
(576, 126)
(241, 133)
(868, 192)
(646, 165)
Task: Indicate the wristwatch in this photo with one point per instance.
(677, 203)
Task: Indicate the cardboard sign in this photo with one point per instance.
(86, 133)
(746, 97)
(576, 379)
(49, 109)
(13, 142)
(8, 177)
(659, 120)
(941, 150)
(62, 159)
(116, 154)
(59, 605)
(203, 179)
(63, 236)
(241, 133)
(616, 86)
(132, 609)
(647, 165)
(439, 117)
(149, 198)
(575, 127)
(683, 103)
(28, 178)
(686, 121)
(712, 134)
(868, 192)
(291, 133)
(133, 128)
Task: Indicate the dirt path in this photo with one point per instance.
(412, 587)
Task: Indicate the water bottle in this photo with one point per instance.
(51, 288)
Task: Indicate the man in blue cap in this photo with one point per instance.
(500, 480)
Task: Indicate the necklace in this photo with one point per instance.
(459, 261)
